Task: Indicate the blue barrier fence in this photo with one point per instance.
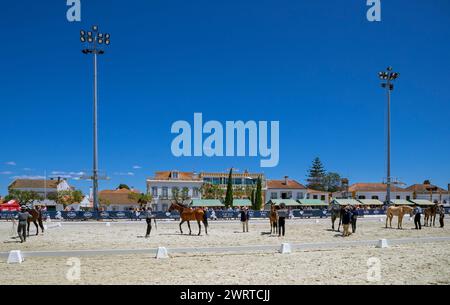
(220, 214)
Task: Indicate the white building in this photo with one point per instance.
(285, 189)
(162, 184)
(428, 191)
(378, 191)
(43, 187)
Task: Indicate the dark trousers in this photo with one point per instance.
(149, 226)
(417, 222)
(354, 218)
(22, 231)
(281, 222)
(441, 220)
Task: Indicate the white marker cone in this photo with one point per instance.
(108, 224)
(161, 253)
(285, 248)
(382, 243)
(15, 257)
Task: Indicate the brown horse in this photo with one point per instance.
(36, 218)
(430, 214)
(397, 211)
(188, 214)
(273, 217)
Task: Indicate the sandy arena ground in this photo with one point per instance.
(426, 263)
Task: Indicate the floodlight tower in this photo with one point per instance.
(94, 41)
(388, 77)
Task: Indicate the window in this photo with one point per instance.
(273, 195)
(165, 207)
(315, 197)
(375, 197)
(154, 191)
(165, 192)
(408, 197)
(174, 175)
(195, 192)
(299, 195)
(397, 197)
(361, 197)
(322, 197)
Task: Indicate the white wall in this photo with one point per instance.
(382, 195)
(162, 203)
(296, 193)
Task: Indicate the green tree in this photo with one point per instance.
(66, 197)
(252, 197)
(316, 175)
(229, 193)
(141, 198)
(332, 182)
(24, 197)
(258, 195)
(180, 196)
(211, 191)
(123, 186)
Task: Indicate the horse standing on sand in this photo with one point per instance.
(190, 214)
(273, 217)
(397, 211)
(430, 214)
(36, 218)
(336, 211)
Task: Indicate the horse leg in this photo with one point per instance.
(189, 226)
(400, 220)
(28, 228)
(181, 230)
(41, 225)
(199, 227)
(387, 218)
(37, 227)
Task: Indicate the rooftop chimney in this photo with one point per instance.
(286, 180)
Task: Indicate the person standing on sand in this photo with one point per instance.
(148, 219)
(354, 218)
(346, 218)
(417, 214)
(23, 217)
(244, 219)
(441, 212)
(282, 213)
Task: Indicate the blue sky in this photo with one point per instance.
(312, 65)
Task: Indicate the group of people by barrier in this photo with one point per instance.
(211, 214)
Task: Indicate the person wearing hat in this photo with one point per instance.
(244, 219)
(23, 216)
(417, 213)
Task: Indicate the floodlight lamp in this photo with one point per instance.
(100, 41)
(90, 39)
(107, 42)
(107, 35)
(83, 39)
(95, 28)
(89, 33)
(82, 33)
